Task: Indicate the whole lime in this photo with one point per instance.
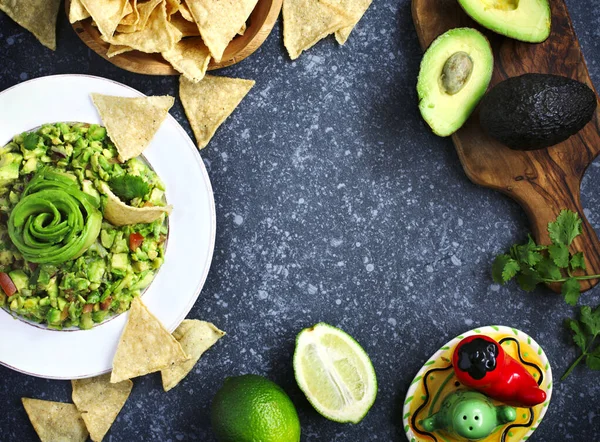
(250, 408)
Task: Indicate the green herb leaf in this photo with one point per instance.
(528, 279)
(548, 269)
(579, 335)
(591, 319)
(566, 228)
(31, 141)
(593, 360)
(578, 261)
(527, 253)
(128, 187)
(571, 291)
(504, 269)
(559, 254)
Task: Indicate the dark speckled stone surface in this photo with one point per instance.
(336, 204)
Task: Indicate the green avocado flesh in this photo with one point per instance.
(524, 20)
(71, 267)
(455, 73)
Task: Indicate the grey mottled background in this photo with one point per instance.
(336, 204)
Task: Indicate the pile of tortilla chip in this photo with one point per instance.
(305, 22)
(145, 347)
(37, 16)
(187, 33)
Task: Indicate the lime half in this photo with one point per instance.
(335, 373)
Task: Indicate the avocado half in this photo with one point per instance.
(524, 20)
(455, 73)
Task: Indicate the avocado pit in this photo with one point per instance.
(456, 72)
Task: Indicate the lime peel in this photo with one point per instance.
(335, 373)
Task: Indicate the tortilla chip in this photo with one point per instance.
(220, 21)
(132, 17)
(187, 28)
(305, 22)
(120, 214)
(172, 6)
(55, 421)
(132, 122)
(185, 12)
(208, 103)
(195, 338)
(106, 13)
(77, 11)
(117, 50)
(99, 402)
(190, 57)
(354, 9)
(243, 30)
(128, 9)
(145, 346)
(158, 36)
(37, 16)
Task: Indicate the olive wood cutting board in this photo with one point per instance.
(544, 181)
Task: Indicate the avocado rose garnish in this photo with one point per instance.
(81, 233)
(54, 221)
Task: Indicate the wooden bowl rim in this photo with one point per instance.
(137, 61)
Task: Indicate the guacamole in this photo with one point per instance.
(61, 262)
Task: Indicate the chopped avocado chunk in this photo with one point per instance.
(95, 270)
(96, 133)
(86, 322)
(9, 166)
(107, 237)
(19, 279)
(119, 263)
(455, 73)
(30, 166)
(525, 20)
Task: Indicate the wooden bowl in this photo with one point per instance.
(259, 27)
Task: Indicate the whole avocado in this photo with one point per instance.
(535, 111)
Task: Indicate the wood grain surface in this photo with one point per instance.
(259, 27)
(545, 181)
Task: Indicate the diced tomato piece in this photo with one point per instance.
(88, 308)
(135, 240)
(8, 287)
(105, 305)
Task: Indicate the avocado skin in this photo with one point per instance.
(535, 111)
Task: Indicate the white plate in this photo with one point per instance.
(85, 353)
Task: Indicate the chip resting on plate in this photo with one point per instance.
(190, 57)
(208, 103)
(106, 13)
(187, 28)
(37, 16)
(120, 214)
(195, 338)
(305, 22)
(355, 9)
(145, 346)
(131, 123)
(99, 401)
(158, 35)
(220, 21)
(77, 11)
(55, 421)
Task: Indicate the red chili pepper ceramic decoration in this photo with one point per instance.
(482, 364)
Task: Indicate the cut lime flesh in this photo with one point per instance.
(335, 373)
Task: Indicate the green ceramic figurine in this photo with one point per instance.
(469, 414)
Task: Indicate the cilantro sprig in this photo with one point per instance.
(585, 331)
(128, 187)
(532, 264)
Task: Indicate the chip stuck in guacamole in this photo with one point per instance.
(62, 262)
